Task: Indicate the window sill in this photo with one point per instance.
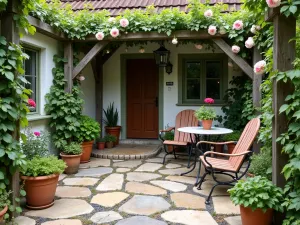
(36, 117)
(200, 104)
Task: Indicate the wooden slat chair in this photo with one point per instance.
(233, 164)
(185, 118)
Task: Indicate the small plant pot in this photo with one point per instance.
(115, 131)
(257, 217)
(72, 162)
(250, 174)
(230, 147)
(40, 191)
(87, 148)
(206, 124)
(2, 213)
(101, 145)
(109, 144)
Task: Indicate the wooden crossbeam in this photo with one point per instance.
(236, 58)
(88, 57)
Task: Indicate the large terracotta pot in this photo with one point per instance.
(256, 217)
(87, 148)
(2, 213)
(115, 131)
(206, 124)
(101, 145)
(72, 162)
(40, 191)
(230, 147)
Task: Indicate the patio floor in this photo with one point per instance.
(134, 192)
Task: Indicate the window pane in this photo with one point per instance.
(193, 89)
(193, 69)
(213, 88)
(213, 69)
(30, 64)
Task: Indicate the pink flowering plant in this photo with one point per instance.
(205, 112)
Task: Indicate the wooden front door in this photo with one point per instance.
(142, 98)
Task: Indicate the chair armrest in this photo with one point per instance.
(215, 143)
(226, 154)
(163, 131)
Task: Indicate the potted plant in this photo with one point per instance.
(234, 136)
(100, 143)
(206, 115)
(88, 132)
(169, 136)
(111, 121)
(110, 139)
(4, 203)
(41, 178)
(71, 156)
(261, 164)
(257, 197)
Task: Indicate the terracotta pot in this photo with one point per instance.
(101, 145)
(230, 148)
(115, 131)
(109, 144)
(40, 191)
(250, 174)
(257, 217)
(2, 213)
(72, 162)
(87, 148)
(206, 124)
(218, 148)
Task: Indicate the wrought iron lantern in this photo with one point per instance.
(162, 56)
(169, 68)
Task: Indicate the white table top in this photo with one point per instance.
(200, 130)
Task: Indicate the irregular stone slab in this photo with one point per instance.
(182, 179)
(178, 171)
(63, 208)
(109, 199)
(169, 185)
(111, 183)
(105, 217)
(172, 166)
(149, 167)
(118, 160)
(140, 220)
(147, 189)
(72, 192)
(234, 220)
(206, 187)
(85, 181)
(145, 205)
(155, 160)
(95, 162)
(94, 172)
(223, 205)
(138, 176)
(61, 177)
(63, 222)
(23, 220)
(128, 164)
(189, 217)
(122, 170)
(184, 200)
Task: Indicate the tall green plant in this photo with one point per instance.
(111, 116)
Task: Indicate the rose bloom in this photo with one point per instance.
(198, 46)
(253, 29)
(259, 67)
(124, 22)
(212, 30)
(111, 19)
(31, 103)
(257, 27)
(81, 78)
(238, 25)
(209, 101)
(273, 3)
(249, 43)
(100, 36)
(174, 41)
(208, 13)
(37, 134)
(114, 32)
(235, 49)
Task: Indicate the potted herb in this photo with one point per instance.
(88, 132)
(111, 121)
(71, 156)
(234, 136)
(41, 178)
(100, 143)
(206, 115)
(4, 203)
(110, 139)
(261, 164)
(257, 198)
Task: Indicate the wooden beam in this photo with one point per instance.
(271, 13)
(236, 58)
(88, 57)
(46, 29)
(68, 67)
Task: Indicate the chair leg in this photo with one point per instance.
(202, 180)
(190, 156)
(207, 202)
(198, 175)
(174, 153)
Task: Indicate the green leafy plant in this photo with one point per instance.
(111, 115)
(169, 135)
(234, 136)
(110, 138)
(205, 113)
(261, 164)
(89, 129)
(101, 139)
(257, 193)
(44, 166)
(4, 199)
(72, 149)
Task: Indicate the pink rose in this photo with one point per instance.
(235, 49)
(37, 134)
(208, 13)
(249, 43)
(81, 78)
(124, 22)
(111, 19)
(238, 25)
(31, 102)
(273, 3)
(114, 32)
(212, 30)
(100, 36)
(253, 29)
(259, 67)
(198, 46)
(209, 101)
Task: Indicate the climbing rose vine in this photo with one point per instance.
(100, 36)
(238, 25)
(208, 13)
(235, 49)
(124, 22)
(249, 43)
(114, 32)
(212, 30)
(273, 3)
(259, 67)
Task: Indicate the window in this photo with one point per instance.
(202, 76)
(31, 75)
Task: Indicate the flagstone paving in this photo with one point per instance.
(135, 192)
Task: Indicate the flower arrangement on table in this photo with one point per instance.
(206, 114)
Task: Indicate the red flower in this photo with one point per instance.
(37, 134)
(209, 101)
(31, 103)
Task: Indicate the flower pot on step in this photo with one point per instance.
(40, 191)
(257, 217)
(72, 162)
(2, 213)
(100, 145)
(115, 131)
(206, 124)
(109, 144)
(87, 148)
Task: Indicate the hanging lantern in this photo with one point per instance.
(162, 56)
(169, 68)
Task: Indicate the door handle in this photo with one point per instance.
(156, 101)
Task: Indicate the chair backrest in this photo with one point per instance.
(246, 140)
(185, 118)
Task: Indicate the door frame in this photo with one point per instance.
(124, 58)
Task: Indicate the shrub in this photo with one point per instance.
(261, 164)
(205, 113)
(169, 135)
(257, 193)
(43, 166)
(101, 139)
(112, 116)
(234, 136)
(110, 138)
(72, 149)
(89, 129)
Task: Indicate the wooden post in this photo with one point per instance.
(68, 68)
